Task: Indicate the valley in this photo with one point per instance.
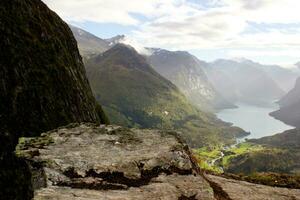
(217, 107)
(84, 117)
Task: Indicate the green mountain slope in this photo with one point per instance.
(279, 153)
(135, 95)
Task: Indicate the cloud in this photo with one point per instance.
(137, 46)
(105, 11)
(223, 26)
(192, 24)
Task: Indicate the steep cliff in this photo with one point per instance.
(42, 78)
(42, 84)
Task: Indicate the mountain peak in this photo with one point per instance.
(123, 46)
(115, 40)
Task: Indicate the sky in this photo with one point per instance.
(267, 31)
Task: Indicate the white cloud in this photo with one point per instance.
(105, 11)
(224, 26)
(180, 24)
(138, 46)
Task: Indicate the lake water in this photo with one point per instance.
(255, 120)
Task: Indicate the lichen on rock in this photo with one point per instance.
(109, 162)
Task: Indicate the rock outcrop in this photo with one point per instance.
(87, 161)
(241, 190)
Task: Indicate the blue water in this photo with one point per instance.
(255, 120)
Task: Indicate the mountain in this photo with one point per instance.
(289, 111)
(243, 82)
(88, 43)
(297, 64)
(285, 78)
(115, 40)
(186, 72)
(43, 85)
(133, 94)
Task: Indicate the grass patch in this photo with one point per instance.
(211, 159)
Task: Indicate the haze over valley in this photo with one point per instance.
(239, 91)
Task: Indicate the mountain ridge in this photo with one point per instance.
(187, 73)
(240, 82)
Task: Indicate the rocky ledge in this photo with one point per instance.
(241, 190)
(86, 161)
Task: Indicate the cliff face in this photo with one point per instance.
(42, 85)
(42, 78)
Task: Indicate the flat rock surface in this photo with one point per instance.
(241, 190)
(109, 162)
(163, 187)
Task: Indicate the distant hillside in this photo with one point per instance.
(287, 139)
(186, 72)
(135, 95)
(279, 153)
(243, 81)
(289, 111)
(285, 78)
